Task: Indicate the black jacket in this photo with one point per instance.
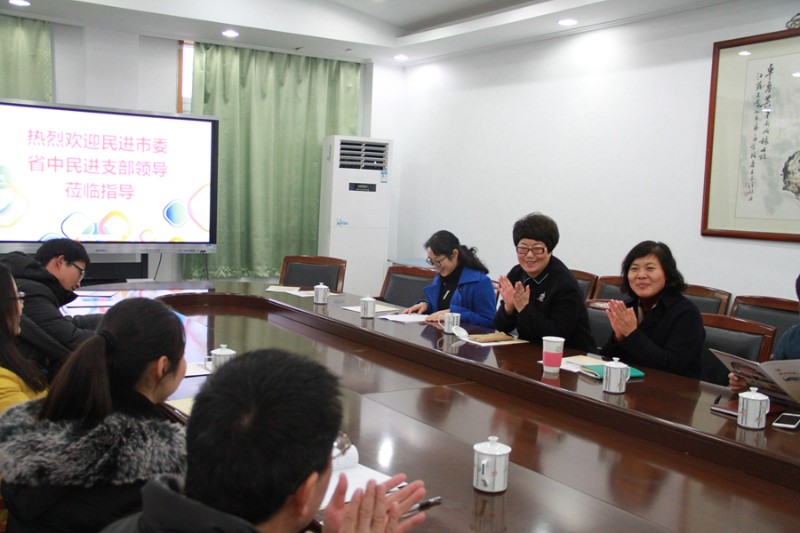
(557, 307)
(166, 509)
(58, 476)
(46, 335)
(670, 337)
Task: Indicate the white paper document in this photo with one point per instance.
(411, 317)
(379, 308)
(357, 475)
(283, 288)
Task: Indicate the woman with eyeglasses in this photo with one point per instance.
(20, 379)
(657, 326)
(540, 296)
(77, 459)
(461, 284)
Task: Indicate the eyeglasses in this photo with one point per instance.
(436, 262)
(20, 296)
(341, 445)
(81, 270)
(537, 250)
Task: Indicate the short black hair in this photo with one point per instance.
(537, 227)
(674, 279)
(261, 424)
(71, 250)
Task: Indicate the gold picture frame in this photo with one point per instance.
(752, 174)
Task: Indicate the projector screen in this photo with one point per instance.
(117, 181)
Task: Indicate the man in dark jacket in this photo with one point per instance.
(259, 459)
(48, 281)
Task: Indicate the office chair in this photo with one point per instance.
(777, 312)
(746, 338)
(403, 284)
(309, 270)
(586, 281)
(707, 299)
(599, 324)
(608, 288)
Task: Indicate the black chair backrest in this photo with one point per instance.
(608, 289)
(308, 275)
(708, 299)
(706, 304)
(723, 335)
(404, 289)
(780, 319)
(586, 281)
(598, 323)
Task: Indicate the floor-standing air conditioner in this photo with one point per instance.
(354, 209)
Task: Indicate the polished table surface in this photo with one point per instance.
(654, 458)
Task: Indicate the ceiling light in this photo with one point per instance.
(796, 74)
(744, 53)
(401, 57)
(567, 22)
(20, 3)
(230, 33)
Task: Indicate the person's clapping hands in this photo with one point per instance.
(378, 509)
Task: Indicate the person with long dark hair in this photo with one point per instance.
(657, 327)
(77, 459)
(461, 284)
(20, 378)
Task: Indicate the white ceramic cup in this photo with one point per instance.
(367, 307)
(321, 293)
(451, 320)
(615, 376)
(218, 357)
(753, 408)
(552, 353)
(490, 466)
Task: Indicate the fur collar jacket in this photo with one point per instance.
(123, 449)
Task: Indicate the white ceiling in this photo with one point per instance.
(356, 30)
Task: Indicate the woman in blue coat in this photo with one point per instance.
(461, 284)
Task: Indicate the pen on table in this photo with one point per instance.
(424, 504)
(717, 399)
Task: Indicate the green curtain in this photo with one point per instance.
(274, 111)
(26, 59)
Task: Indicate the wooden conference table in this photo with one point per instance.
(652, 459)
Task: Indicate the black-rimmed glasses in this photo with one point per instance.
(81, 270)
(436, 262)
(20, 296)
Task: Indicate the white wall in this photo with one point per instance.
(604, 131)
(101, 68)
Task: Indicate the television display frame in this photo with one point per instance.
(92, 243)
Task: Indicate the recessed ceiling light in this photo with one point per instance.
(567, 22)
(20, 3)
(401, 57)
(744, 53)
(230, 33)
(796, 74)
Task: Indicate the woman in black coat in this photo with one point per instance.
(658, 327)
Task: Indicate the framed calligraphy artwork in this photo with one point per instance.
(752, 175)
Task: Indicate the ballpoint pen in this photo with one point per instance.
(424, 504)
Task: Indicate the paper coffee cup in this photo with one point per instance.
(552, 352)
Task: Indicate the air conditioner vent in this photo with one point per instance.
(364, 155)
